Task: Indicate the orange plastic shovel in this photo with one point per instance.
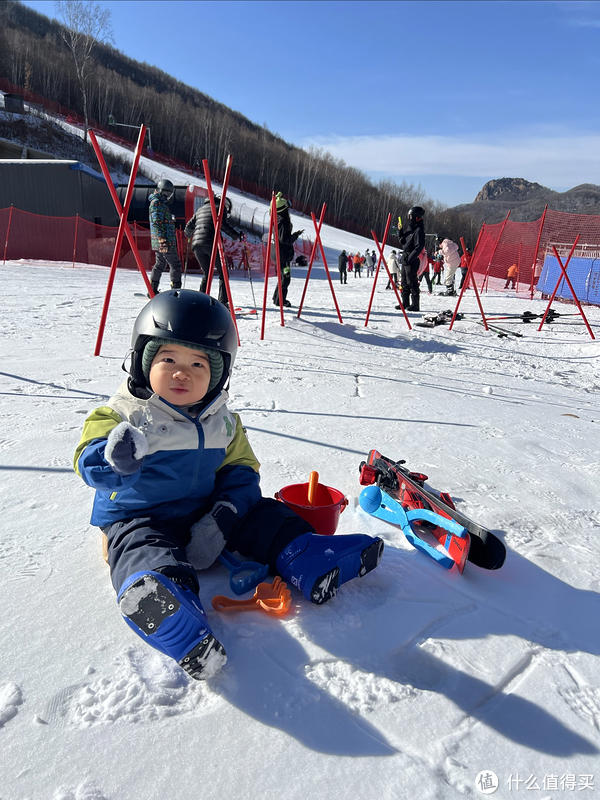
(272, 598)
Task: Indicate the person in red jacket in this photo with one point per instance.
(465, 260)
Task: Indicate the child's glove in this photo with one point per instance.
(125, 448)
(208, 535)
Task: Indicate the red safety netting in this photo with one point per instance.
(24, 235)
(526, 244)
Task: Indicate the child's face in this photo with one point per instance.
(180, 375)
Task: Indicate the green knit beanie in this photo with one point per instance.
(215, 358)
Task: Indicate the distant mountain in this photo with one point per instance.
(526, 200)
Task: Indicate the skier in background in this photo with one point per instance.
(201, 230)
(286, 247)
(394, 269)
(511, 276)
(176, 482)
(438, 267)
(449, 250)
(343, 266)
(162, 235)
(465, 260)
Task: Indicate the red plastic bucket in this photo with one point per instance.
(325, 512)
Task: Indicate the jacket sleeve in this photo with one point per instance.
(188, 231)
(89, 462)
(238, 479)
(229, 229)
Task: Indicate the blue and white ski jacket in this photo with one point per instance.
(191, 462)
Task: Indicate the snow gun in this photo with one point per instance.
(430, 522)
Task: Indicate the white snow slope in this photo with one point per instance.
(415, 682)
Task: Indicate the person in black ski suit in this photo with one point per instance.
(201, 230)
(286, 247)
(412, 241)
(343, 266)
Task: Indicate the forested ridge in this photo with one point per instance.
(190, 126)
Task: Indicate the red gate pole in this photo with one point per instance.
(10, 212)
(537, 247)
(313, 252)
(318, 237)
(217, 218)
(391, 280)
(277, 257)
(470, 279)
(122, 227)
(566, 277)
(75, 238)
(487, 272)
(117, 204)
(217, 245)
(393, 283)
(471, 274)
(267, 265)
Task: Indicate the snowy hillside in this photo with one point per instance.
(415, 682)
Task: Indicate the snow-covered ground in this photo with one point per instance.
(415, 682)
(414, 679)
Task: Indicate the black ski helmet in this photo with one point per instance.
(186, 316)
(165, 188)
(416, 213)
(217, 199)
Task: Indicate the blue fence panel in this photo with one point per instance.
(584, 274)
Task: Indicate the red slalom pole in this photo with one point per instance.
(277, 256)
(217, 244)
(217, 218)
(391, 280)
(267, 265)
(313, 252)
(117, 204)
(122, 226)
(318, 235)
(568, 280)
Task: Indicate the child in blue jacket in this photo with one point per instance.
(176, 482)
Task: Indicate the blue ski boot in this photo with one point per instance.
(169, 617)
(318, 565)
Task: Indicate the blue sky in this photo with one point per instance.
(445, 95)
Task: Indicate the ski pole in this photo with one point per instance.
(185, 264)
(247, 265)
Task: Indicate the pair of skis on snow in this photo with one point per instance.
(444, 317)
(431, 320)
(431, 523)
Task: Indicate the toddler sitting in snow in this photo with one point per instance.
(176, 482)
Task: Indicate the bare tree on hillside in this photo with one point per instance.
(85, 24)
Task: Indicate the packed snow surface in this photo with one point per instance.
(415, 681)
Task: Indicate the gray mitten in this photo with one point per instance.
(125, 448)
(208, 535)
